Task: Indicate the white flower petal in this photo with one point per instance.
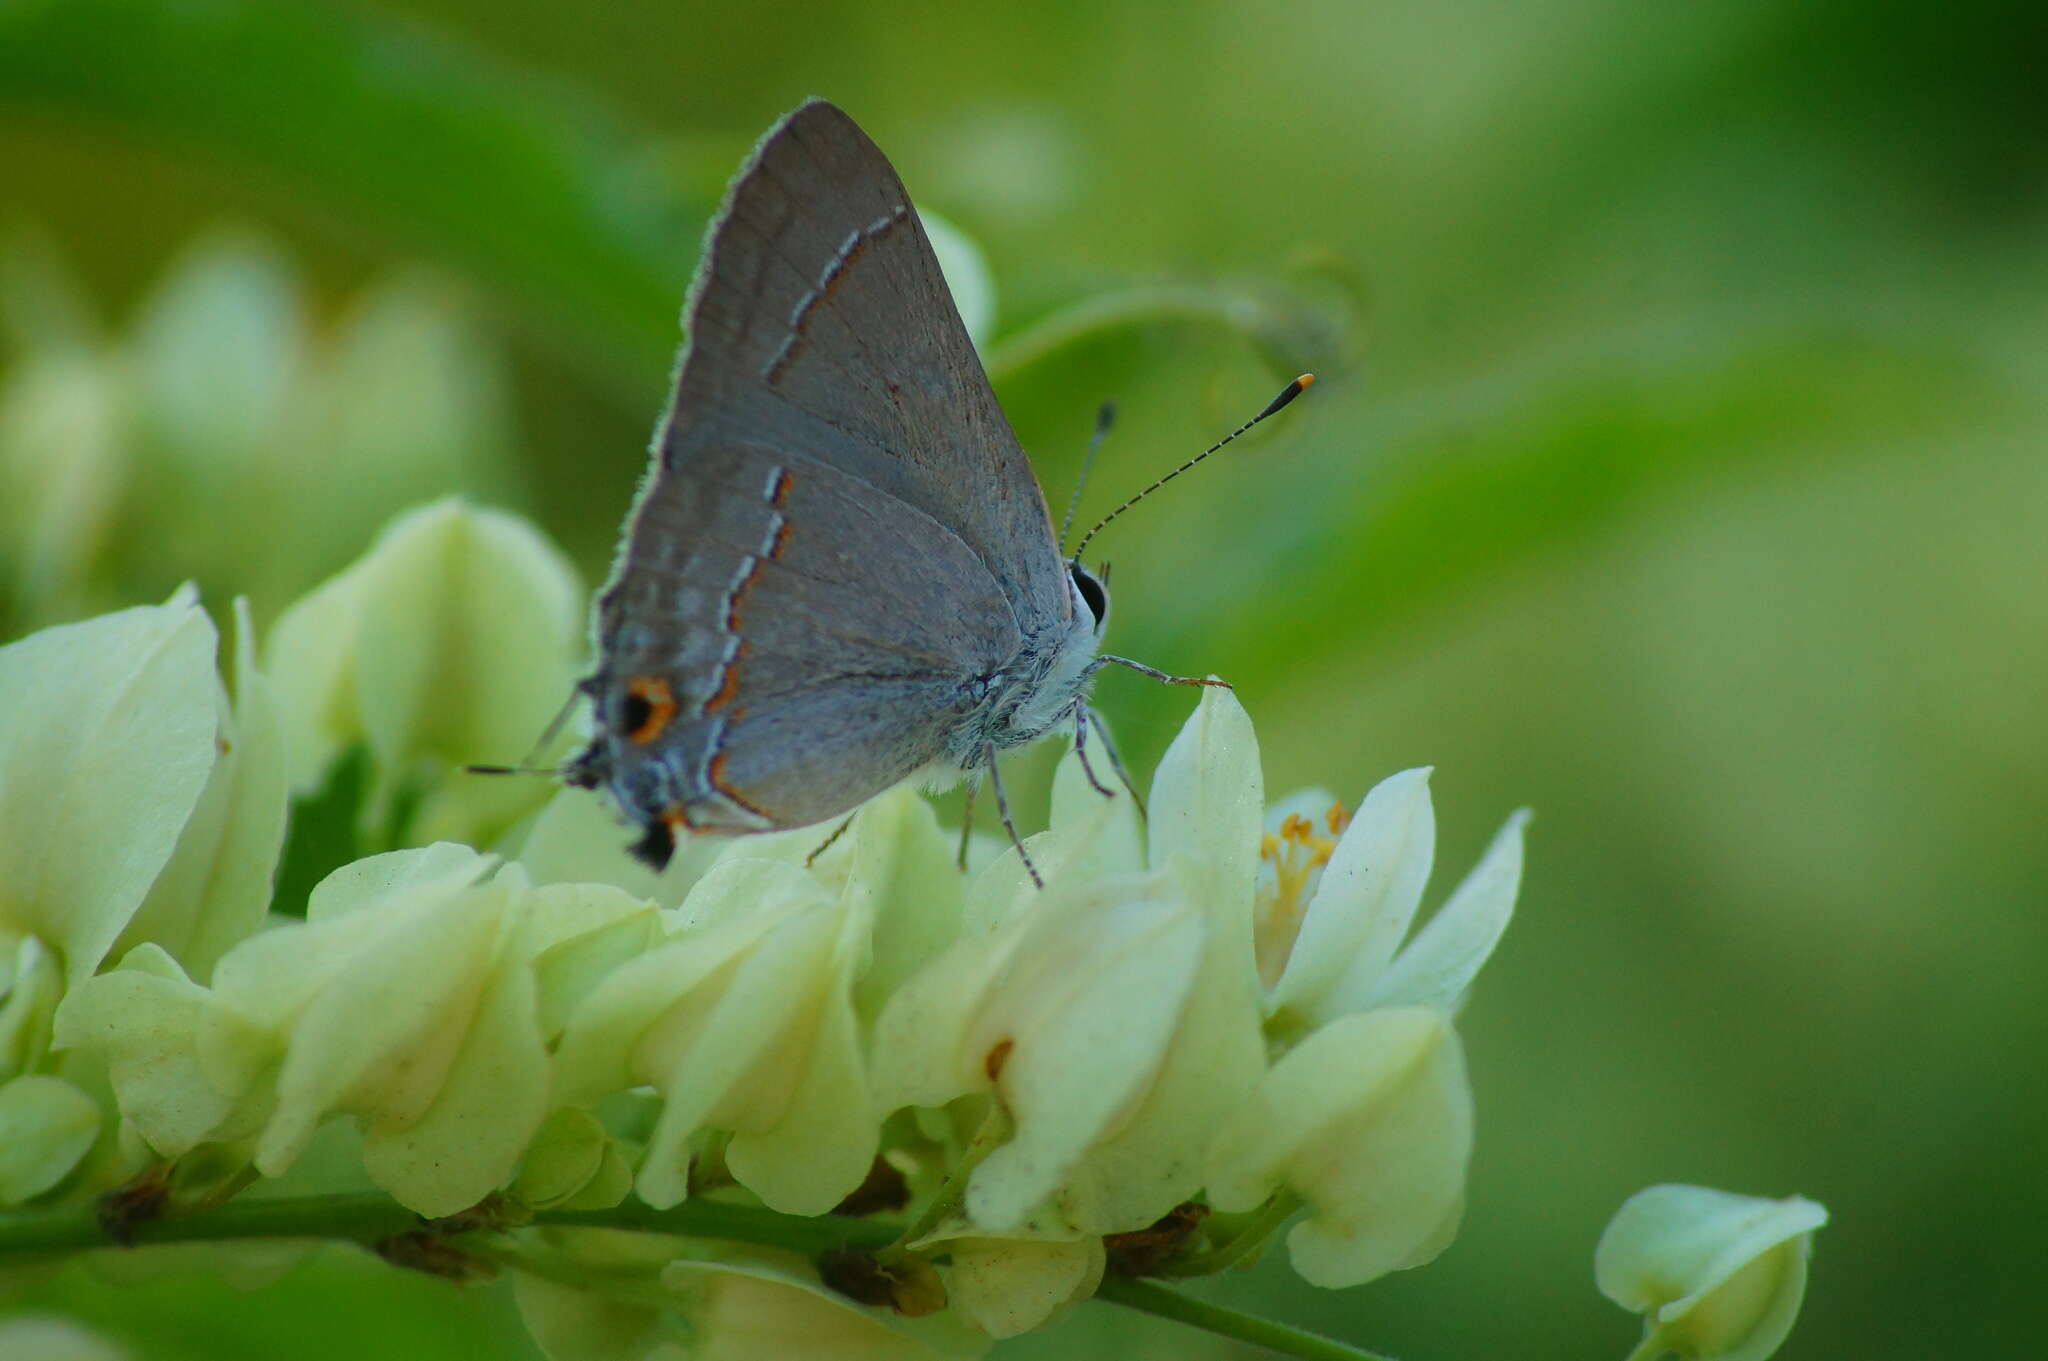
(374, 1000)
(453, 639)
(615, 1002)
(366, 882)
(46, 1126)
(1115, 843)
(310, 659)
(31, 987)
(215, 351)
(633, 1323)
(1366, 901)
(1151, 1161)
(484, 1111)
(141, 1020)
(1369, 1120)
(575, 839)
(559, 913)
(569, 970)
(904, 875)
(822, 1142)
(1088, 1008)
(1437, 966)
(416, 405)
(750, 1309)
(566, 1153)
(63, 466)
(716, 1064)
(1208, 795)
(216, 888)
(1717, 1274)
(1007, 1286)
(109, 737)
(922, 1051)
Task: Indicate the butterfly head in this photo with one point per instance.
(1093, 591)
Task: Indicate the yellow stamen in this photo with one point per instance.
(1295, 854)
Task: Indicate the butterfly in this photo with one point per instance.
(840, 572)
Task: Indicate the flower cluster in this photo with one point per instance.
(1213, 1020)
(232, 398)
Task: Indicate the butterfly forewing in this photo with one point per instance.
(822, 313)
(841, 536)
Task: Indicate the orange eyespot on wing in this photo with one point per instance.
(650, 704)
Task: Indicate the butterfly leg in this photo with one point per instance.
(1081, 750)
(967, 816)
(1116, 760)
(1158, 675)
(995, 782)
(826, 844)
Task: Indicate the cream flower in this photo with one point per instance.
(62, 424)
(31, 985)
(1715, 1275)
(139, 805)
(1368, 1120)
(46, 1126)
(1065, 1015)
(741, 1014)
(406, 999)
(601, 1296)
(216, 887)
(454, 639)
(224, 403)
(112, 731)
(749, 1007)
(1356, 898)
(1367, 1114)
(1007, 1286)
(1115, 1015)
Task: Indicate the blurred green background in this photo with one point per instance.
(1677, 472)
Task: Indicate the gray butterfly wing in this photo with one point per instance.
(822, 311)
(799, 640)
(841, 542)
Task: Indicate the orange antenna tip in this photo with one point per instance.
(1287, 394)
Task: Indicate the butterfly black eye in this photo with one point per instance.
(1093, 593)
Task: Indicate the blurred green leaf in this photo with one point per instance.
(1468, 486)
(503, 174)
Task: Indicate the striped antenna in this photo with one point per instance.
(1287, 394)
(1104, 418)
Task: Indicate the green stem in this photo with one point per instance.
(1237, 310)
(627, 1287)
(367, 1216)
(357, 1217)
(1651, 1347)
(1249, 1239)
(1149, 1298)
(995, 1129)
(734, 1223)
